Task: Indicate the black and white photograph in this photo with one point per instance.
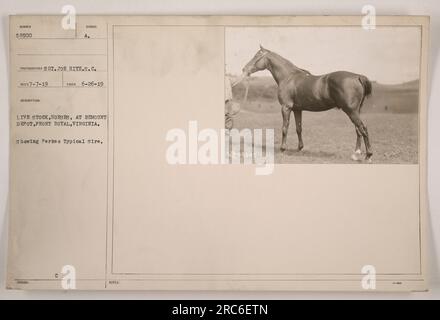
(334, 94)
(221, 155)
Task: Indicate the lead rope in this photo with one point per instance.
(246, 84)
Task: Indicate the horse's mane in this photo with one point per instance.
(305, 71)
(289, 64)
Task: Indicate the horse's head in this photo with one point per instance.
(257, 63)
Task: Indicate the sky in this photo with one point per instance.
(389, 55)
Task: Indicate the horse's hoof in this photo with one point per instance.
(356, 156)
(300, 148)
(283, 148)
(368, 157)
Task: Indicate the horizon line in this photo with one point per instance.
(373, 81)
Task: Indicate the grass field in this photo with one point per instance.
(329, 137)
(391, 115)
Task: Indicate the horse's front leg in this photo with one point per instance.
(285, 111)
(298, 122)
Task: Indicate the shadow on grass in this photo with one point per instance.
(307, 153)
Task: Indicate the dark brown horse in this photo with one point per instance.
(299, 90)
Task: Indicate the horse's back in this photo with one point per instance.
(345, 76)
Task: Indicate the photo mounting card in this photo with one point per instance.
(218, 153)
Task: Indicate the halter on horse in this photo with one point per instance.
(299, 90)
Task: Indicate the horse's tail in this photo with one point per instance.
(368, 89)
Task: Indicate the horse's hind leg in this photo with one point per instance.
(362, 129)
(357, 150)
(285, 111)
(298, 122)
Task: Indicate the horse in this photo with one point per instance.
(299, 90)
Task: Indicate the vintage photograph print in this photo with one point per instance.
(332, 94)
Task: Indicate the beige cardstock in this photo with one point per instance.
(94, 201)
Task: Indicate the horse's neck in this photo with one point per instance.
(280, 68)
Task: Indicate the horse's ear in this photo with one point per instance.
(261, 47)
